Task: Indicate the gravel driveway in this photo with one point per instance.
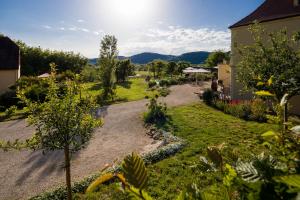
(26, 173)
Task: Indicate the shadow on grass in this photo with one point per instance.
(126, 84)
(114, 101)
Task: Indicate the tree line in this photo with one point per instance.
(35, 60)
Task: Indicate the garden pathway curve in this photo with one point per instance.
(26, 173)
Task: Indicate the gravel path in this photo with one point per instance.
(26, 173)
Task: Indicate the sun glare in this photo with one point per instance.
(130, 10)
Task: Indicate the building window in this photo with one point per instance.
(296, 2)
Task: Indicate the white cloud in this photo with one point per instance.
(85, 30)
(99, 32)
(177, 40)
(47, 27)
(62, 28)
(80, 21)
(73, 28)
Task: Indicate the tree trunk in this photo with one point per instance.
(68, 172)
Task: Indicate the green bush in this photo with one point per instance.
(255, 110)
(156, 112)
(66, 75)
(151, 84)
(36, 93)
(89, 74)
(11, 110)
(9, 99)
(242, 110)
(258, 110)
(164, 91)
(220, 105)
(164, 82)
(173, 81)
(209, 97)
(182, 79)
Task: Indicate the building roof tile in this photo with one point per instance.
(271, 10)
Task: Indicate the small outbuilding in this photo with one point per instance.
(9, 63)
(195, 71)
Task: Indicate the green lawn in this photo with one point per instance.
(201, 126)
(143, 73)
(134, 89)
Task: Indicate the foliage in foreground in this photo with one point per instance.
(262, 177)
(271, 59)
(111, 191)
(62, 123)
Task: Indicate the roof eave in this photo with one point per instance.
(236, 25)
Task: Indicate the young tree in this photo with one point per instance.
(181, 66)
(124, 69)
(217, 57)
(62, 122)
(107, 61)
(152, 68)
(171, 68)
(159, 67)
(272, 63)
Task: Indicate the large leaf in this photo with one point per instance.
(270, 135)
(137, 194)
(106, 177)
(135, 171)
(204, 165)
(247, 171)
(290, 180)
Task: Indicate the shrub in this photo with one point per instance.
(26, 81)
(209, 97)
(151, 84)
(164, 91)
(8, 99)
(156, 112)
(66, 75)
(163, 82)
(148, 78)
(220, 105)
(173, 81)
(242, 110)
(11, 110)
(89, 74)
(36, 93)
(34, 88)
(182, 79)
(258, 110)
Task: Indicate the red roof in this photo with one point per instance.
(271, 10)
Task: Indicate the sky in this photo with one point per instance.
(161, 26)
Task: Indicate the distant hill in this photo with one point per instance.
(147, 57)
(193, 57)
(198, 57)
